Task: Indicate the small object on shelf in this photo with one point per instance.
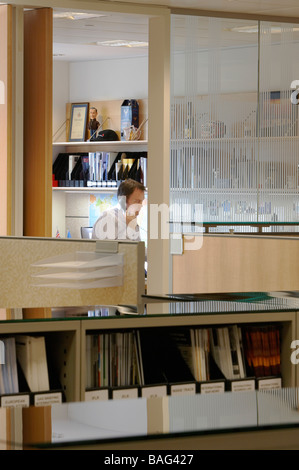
(78, 124)
(129, 116)
(107, 135)
(133, 133)
(213, 130)
(93, 124)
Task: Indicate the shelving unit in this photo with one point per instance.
(66, 338)
(59, 194)
(287, 320)
(63, 345)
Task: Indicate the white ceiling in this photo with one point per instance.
(75, 40)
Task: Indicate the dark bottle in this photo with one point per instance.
(126, 173)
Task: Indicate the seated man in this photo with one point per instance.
(120, 222)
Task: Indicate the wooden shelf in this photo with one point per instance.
(109, 146)
(89, 189)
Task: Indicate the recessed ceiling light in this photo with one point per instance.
(122, 43)
(71, 15)
(254, 29)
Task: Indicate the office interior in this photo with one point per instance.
(217, 84)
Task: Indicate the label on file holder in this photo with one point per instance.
(183, 389)
(269, 384)
(154, 391)
(96, 395)
(123, 393)
(15, 401)
(212, 387)
(44, 399)
(243, 385)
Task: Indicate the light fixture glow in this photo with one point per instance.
(254, 29)
(122, 43)
(69, 15)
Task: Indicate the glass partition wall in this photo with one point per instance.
(234, 129)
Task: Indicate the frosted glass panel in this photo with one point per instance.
(278, 126)
(278, 406)
(234, 144)
(212, 411)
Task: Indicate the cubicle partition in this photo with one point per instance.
(236, 263)
(47, 272)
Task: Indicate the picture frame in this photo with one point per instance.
(78, 122)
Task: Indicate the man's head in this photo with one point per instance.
(131, 194)
(93, 112)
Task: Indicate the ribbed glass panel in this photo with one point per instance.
(278, 406)
(234, 137)
(212, 411)
(278, 142)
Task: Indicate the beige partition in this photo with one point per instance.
(236, 263)
(26, 261)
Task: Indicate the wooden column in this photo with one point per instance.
(38, 78)
(38, 45)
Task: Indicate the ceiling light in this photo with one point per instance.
(75, 15)
(122, 43)
(254, 29)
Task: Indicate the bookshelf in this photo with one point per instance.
(60, 195)
(164, 322)
(62, 340)
(66, 343)
(66, 340)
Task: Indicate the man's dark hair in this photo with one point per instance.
(127, 187)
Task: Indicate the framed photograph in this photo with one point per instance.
(78, 122)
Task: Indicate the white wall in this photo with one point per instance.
(237, 70)
(109, 80)
(95, 81)
(61, 96)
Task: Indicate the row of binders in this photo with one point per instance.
(99, 169)
(24, 373)
(151, 362)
